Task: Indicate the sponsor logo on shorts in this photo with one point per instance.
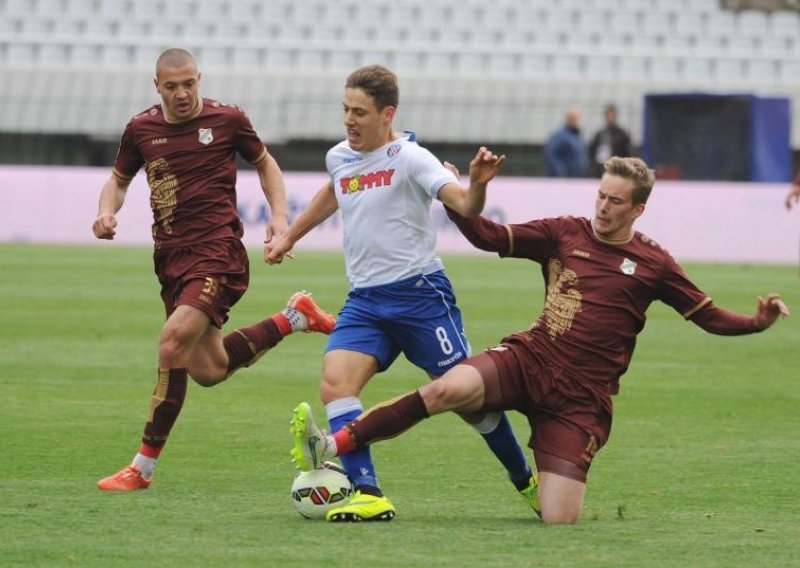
(590, 451)
(450, 360)
(210, 290)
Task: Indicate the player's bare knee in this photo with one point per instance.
(334, 387)
(170, 345)
(436, 396)
(559, 517)
(207, 377)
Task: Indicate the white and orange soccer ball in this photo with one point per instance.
(316, 492)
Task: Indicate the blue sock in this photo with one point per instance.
(358, 463)
(504, 445)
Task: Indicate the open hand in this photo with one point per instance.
(769, 310)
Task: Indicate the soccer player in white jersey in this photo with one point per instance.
(401, 300)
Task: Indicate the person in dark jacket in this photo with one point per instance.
(611, 140)
(565, 151)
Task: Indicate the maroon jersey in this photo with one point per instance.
(597, 293)
(190, 169)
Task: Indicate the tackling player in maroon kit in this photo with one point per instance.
(187, 146)
(601, 276)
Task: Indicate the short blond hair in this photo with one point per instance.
(636, 170)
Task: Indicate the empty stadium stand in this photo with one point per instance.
(471, 70)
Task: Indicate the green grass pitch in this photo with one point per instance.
(701, 468)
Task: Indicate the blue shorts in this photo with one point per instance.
(417, 316)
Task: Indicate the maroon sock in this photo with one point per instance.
(383, 422)
(246, 345)
(165, 405)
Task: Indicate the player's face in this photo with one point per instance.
(179, 89)
(367, 127)
(614, 212)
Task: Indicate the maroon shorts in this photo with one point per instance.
(570, 420)
(210, 276)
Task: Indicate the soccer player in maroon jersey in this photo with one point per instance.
(187, 146)
(601, 276)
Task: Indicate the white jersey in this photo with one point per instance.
(385, 198)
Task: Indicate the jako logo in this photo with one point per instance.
(366, 181)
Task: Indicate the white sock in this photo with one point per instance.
(489, 423)
(331, 450)
(145, 465)
(297, 319)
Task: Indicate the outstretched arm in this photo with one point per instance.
(112, 196)
(322, 206)
(469, 202)
(483, 233)
(720, 321)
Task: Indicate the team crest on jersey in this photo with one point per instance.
(628, 266)
(205, 136)
(393, 150)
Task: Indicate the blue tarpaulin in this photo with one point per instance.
(702, 136)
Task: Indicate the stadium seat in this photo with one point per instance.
(22, 8)
(784, 22)
(665, 69)
(542, 47)
(599, 66)
(789, 71)
(697, 69)
(762, 71)
(729, 70)
(751, 23)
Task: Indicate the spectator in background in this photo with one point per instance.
(565, 152)
(611, 140)
(794, 193)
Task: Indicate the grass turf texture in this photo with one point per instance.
(701, 468)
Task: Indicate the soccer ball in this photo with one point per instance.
(317, 491)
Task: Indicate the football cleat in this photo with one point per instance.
(362, 507)
(310, 442)
(318, 319)
(128, 479)
(531, 495)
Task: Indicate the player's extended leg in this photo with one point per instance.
(181, 331)
(345, 373)
(460, 389)
(216, 358)
(429, 327)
